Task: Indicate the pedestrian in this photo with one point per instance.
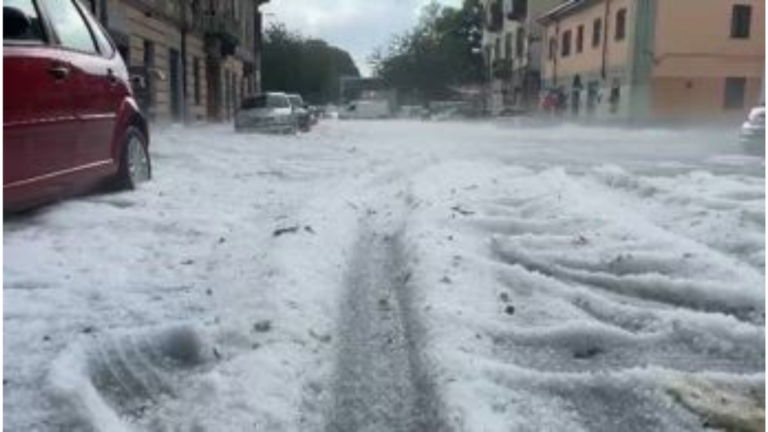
(562, 100)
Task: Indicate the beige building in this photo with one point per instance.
(656, 59)
(198, 58)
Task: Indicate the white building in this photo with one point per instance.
(512, 45)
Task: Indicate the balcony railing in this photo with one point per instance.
(169, 9)
(221, 31)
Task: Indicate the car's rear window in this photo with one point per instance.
(276, 101)
(296, 101)
(255, 102)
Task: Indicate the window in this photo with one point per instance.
(580, 39)
(735, 93)
(278, 101)
(69, 26)
(497, 49)
(741, 20)
(35, 31)
(621, 25)
(508, 46)
(520, 39)
(149, 54)
(254, 102)
(566, 48)
(196, 77)
(597, 32)
(552, 48)
(105, 46)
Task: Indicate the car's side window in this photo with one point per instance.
(69, 25)
(35, 30)
(105, 46)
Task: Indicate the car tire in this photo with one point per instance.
(135, 163)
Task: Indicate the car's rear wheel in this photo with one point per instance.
(135, 164)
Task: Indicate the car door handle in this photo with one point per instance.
(59, 71)
(111, 76)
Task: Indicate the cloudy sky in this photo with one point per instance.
(358, 26)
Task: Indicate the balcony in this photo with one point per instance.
(221, 30)
(168, 9)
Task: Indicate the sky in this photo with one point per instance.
(358, 26)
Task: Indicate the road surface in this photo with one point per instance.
(398, 276)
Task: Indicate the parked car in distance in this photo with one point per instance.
(753, 131)
(315, 114)
(300, 111)
(367, 109)
(268, 112)
(70, 119)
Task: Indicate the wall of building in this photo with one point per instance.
(672, 64)
(694, 54)
(210, 93)
(700, 98)
(501, 89)
(196, 108)
(617, 53)
(604, 72)
(535, 32)
(164, 37)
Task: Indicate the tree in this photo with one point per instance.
(310, 67)
(441, 52)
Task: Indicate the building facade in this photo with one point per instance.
(512, 48)
(664, 60)
(528, 71)
(502, 51)
(194, 59)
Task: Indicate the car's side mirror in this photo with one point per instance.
(138, 82)
(15, 23)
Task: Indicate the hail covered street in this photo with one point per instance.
(398, 276)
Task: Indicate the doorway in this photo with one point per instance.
(175, 82)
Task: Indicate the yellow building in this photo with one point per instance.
(656, 59)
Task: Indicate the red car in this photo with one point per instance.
(70, 119)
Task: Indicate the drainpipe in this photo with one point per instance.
(184, 113)
(603, 71)
(556, 53)
(184, 30)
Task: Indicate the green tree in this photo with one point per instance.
(310, 67)
(441, 52)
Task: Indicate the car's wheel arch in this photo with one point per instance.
(130, 116)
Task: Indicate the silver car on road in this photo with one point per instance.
(268, 112)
